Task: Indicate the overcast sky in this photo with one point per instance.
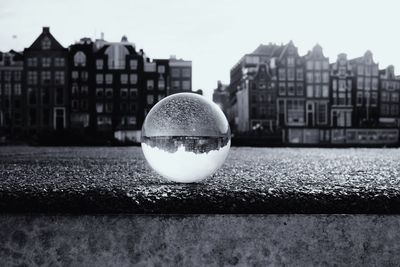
(214, 34)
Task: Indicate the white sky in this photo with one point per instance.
(214, 34)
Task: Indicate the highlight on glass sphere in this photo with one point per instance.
(185, 137)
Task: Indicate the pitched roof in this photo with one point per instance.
(37, 44)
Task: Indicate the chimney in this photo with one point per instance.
(46, 29)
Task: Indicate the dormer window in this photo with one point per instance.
(46, 43)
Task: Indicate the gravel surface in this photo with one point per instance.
(253, 180)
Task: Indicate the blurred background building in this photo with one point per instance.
(274, 91)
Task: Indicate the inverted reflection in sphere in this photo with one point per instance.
(185, 137)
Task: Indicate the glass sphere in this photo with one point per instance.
(185, 137)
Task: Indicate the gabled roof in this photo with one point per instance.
(268, 50)
(37, 44)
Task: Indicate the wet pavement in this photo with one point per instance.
(253, 180)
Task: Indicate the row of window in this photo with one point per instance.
(46, 77)
(46, 62)
(290, 89)
(390, 85)
(342, 98)
(290, 74)
(125, 120)
(109, 107)
(341, 84)
(367, 99)
(317, 65)
(180, 72)
(7, 89)
(9, 74)
(367, 70)
(390, 97)
(318, 77)
(367, 83)
(389, 110)
(109, 92)
(79, 104)
(45, 96)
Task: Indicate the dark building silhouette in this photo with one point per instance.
(11, 94)
(93, 87)
(46, 85)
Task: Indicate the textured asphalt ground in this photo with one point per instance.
(252, 180)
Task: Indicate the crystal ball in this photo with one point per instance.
(185, 137)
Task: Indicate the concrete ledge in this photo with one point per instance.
(199, 240)
(253, 180)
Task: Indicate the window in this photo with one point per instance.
(309, 65)
(124, 78)
(74, 75)
(395, 97)
(325, 65)
(131, 120)
(291, 89)
(84, 76)
(290, 74)
(282, 89)
(186, 85)
(360, 83)
(374, 99)
(132, 107)
(360, 69)
(31, 96)
(385, 109)
(325, 77)
(290, 61)
(161, 69)
(176, 84)
(150, 85)
(175, 73)
(74, 89)
(99, 92)
(124, 92)
(109, 78)
(84, 104)
(133, 64)
(310, 77)
(359, 99)
(79, 59)
(84, 90)
(133, 78)
(299, 74)
(46, 62)
(109, 92)
(317, 65)
(74, 105)
(46, 77)
(375, 70)
(99, 64)
(17, 89)
(394, 110)
(342, 85)
(17, 76)
(99, 107)
(109, 107)
(384, 97)
(99, 78)
(282, 74)
(186, 72)
(46, 43)
(150, 99)
(32, 62)
(7, 89)
(322, 113)
(367, 84)
(133, 92)
(317, 91)
(310, 91)
(299, 90)
(317, 77)
(59, 77)
(59, 62)
(124, 106)
(325, 91)
(161, 84)
(32, 77)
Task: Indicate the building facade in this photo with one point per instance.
(46, 85)
(94, 87)
(346, 102)
(11, 98)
